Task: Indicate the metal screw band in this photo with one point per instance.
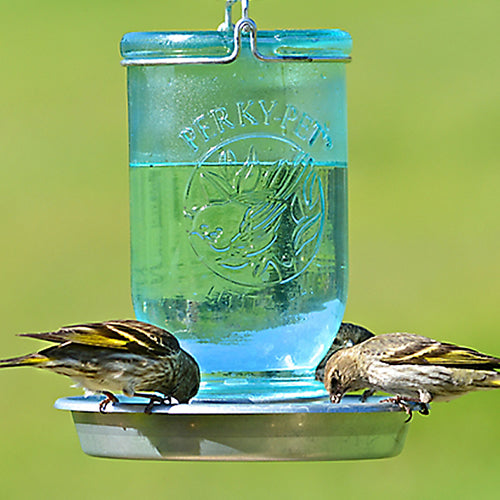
(244, 24)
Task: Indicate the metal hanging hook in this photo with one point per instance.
(228, 25)
(244, 24)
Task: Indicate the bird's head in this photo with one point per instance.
(334, 385)
(342, 375)
(189, 380)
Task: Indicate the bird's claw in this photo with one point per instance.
(366, 394)
(153, 398)
(403, 404)
(110, 398)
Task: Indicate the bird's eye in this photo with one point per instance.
(349, 343)
(334, 383)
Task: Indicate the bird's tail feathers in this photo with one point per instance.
(28, 360)
(496, 382)
(491, 381)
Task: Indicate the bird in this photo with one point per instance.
(414, 368)
(348, 335)
(120, 355)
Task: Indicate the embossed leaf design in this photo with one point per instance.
(216, 186)
(272, 217)
(307, 212)
(246, 179)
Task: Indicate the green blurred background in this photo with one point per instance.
(424, 205)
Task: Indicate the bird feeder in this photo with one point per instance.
(238, 187)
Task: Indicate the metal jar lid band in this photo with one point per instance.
(245, 24)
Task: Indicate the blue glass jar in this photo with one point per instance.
(238, 196)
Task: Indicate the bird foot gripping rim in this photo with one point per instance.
(153, 398)
(407, 407)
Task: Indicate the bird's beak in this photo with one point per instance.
(335, 398)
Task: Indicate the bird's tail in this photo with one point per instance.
(490, 382)
(28, 360)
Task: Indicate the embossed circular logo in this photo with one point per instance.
(254, 209)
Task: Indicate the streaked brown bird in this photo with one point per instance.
(348, 335)
(123, 355)
(413, 368)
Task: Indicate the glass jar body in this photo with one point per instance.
(238, 193)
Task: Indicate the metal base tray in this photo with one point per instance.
(235, 431)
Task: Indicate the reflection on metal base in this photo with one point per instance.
(205, 430)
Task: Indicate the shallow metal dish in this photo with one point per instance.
(204, 430)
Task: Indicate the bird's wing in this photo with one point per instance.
(128, 335)
(423, 351)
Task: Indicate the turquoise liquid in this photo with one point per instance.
(246, 263)
(238, 205)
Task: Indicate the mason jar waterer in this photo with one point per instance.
(238, 196)
(239, 247)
